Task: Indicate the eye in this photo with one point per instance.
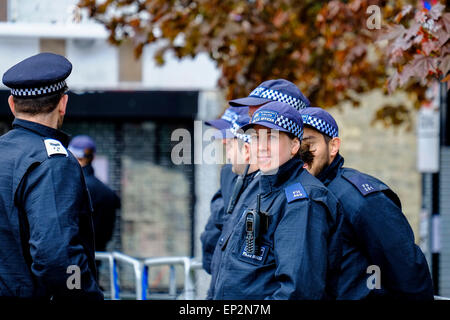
(273, 136)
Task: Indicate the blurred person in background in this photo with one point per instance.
(105, 202)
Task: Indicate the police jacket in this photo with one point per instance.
(219, 205)
(293, 255)
(105, 203)
(46, 230)
(375, 233)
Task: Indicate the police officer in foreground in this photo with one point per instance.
(234, 177)
(46, 235)
(375, 231)
(278, 242)
(104, 201)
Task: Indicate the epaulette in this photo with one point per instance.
(54, 147)
(295, 191)
(362, 183)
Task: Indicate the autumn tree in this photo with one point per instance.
(327, 48)
(418, 48)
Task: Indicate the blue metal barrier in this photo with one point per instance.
(141, 269)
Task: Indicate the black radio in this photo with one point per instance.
(256, 223)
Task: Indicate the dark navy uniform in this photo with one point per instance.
(213, 227)
(219, 216)
(376, 233)
(46, 234)
(294, 260)
(105, 203)
(45, 216)
(297, 255)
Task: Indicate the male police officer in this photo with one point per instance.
(104, 201)
(46, 236)
(234, 177)
(375, 232)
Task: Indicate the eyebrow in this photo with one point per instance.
(309, 138)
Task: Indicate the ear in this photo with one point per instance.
(12, 106)
(295, 146)
(247, 152)
(334, 146)
(62, 105)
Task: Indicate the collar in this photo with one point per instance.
(88, 170)
(249, 178)
(329, 173)
(42, 130)
(270, 182)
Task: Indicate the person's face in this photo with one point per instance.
(237, 155)
(272, 148)
(319, 149)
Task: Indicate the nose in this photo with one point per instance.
(262, 141)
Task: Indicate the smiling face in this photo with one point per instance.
(272, 148)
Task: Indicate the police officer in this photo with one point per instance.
(104, 201)
(46, 236)
(234, 177)
(375, 232)
(276, 243)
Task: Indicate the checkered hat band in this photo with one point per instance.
(230, 116)
(30, 92)
(290, 126)
(280, 97)
(320, 125)
(234, 130)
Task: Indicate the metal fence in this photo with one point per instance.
(141, 268)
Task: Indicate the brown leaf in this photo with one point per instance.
(393, 32)
(403, 13)
(280, 18)
(444, 64)
(436, 11)
(420, 66)
(446, 21)
(430, 46)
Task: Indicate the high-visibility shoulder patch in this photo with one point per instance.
(54, 147)
(295, 191)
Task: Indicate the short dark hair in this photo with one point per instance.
(327, 138)
(39, 105)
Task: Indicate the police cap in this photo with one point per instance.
(39, 75)
(320, 120)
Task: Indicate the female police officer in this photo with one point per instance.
(280, 241)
